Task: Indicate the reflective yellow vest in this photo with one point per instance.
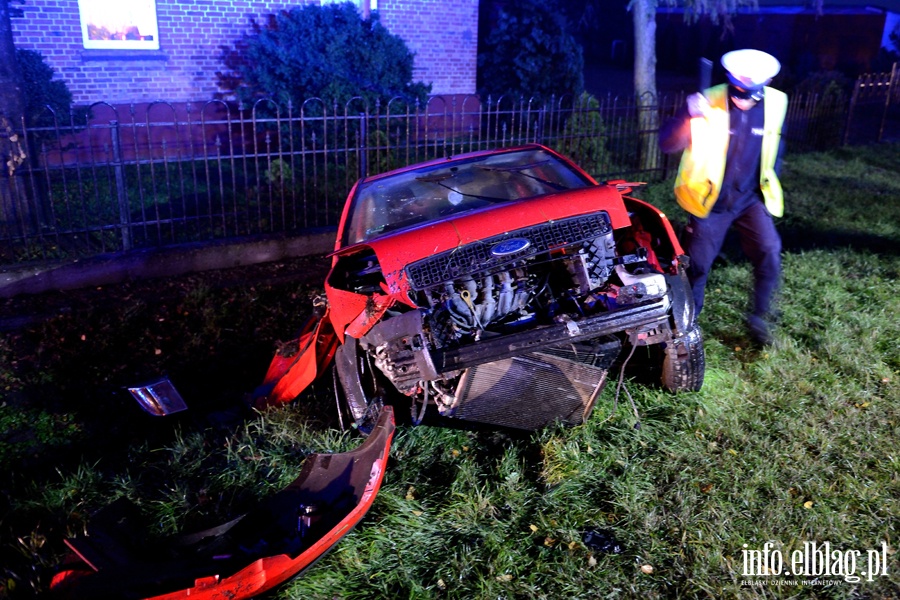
(702, 168)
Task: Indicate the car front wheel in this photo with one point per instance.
(362, 388)
(684, 362)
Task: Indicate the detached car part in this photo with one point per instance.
(159, 397)
(245, 557)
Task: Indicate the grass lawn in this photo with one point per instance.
(785, 449)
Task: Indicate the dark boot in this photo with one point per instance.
(759, 330)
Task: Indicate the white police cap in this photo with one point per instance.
(750, 69)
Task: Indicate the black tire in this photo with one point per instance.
(362, 387)
(684, 362)
(365, 424)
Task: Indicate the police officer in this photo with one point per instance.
(728, 177)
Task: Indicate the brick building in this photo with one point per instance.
(171, 52)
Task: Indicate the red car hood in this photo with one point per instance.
(397, 250)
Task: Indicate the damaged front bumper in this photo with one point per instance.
(245, 557)
(407, 358)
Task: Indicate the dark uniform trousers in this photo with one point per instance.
(759, 240)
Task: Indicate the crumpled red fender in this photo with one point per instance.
(376, 306)
(299, 362)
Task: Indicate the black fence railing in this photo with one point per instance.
(166, 174)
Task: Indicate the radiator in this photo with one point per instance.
(529, 391)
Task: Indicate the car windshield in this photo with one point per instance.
(436, 191)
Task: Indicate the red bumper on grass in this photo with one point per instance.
(261, 549)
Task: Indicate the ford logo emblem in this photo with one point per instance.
(510, 246)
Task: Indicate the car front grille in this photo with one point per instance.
(478, 258)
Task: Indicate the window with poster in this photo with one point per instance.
(119, 24)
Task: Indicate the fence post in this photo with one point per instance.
(853, 99)
(539, 125)
(887, 100)
(363, 146)
(121, 193)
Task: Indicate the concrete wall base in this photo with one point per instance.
(166, 262)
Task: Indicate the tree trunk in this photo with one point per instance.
(644, 15)
(13, 204)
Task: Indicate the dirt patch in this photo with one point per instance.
(66, 358)
(25, 309)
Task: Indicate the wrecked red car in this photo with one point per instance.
(497, 287)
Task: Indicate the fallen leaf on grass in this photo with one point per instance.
(808, 504)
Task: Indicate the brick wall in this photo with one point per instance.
(442, 34)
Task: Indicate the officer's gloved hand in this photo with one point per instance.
(698, 105)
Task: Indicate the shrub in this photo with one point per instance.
(530, 52)
(886, 58)
(824, 83)
(328, 52)
(585, 135)
(832, 90)
(41, 91)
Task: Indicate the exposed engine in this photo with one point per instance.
(477, 296)
(560, 283)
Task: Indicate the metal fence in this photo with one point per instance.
(875, 111)
(117, 179)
